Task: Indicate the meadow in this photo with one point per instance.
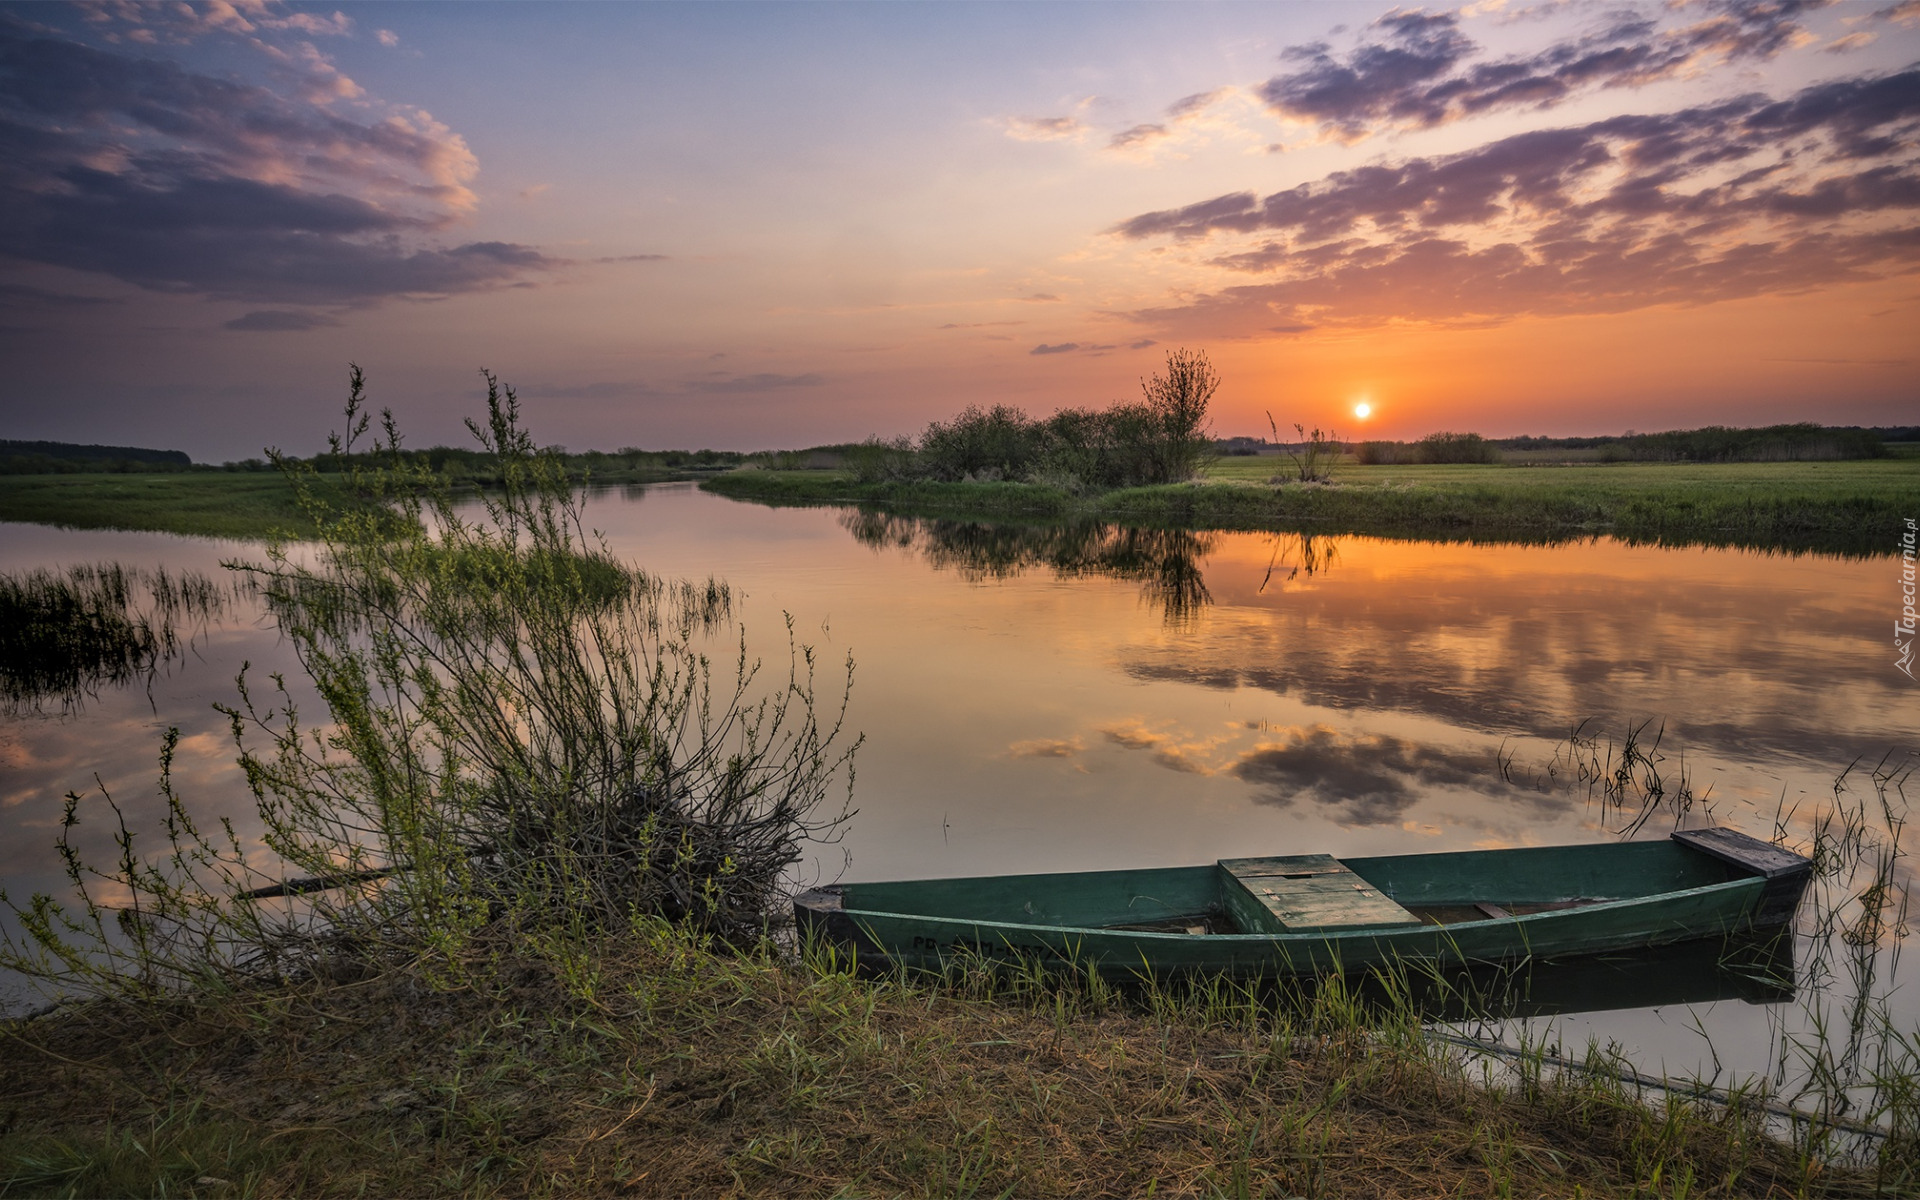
(240, 505)
(532, 955)
(1846, 507)
(254, 503)
(647, 1063)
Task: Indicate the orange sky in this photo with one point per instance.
(747, 226)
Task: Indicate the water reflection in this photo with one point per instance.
(1165, 562)
(1749, 968)
(1026, 711)
(66, 635)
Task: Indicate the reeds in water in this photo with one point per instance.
(64, 635)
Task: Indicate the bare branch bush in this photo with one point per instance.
(1313, 461)
(524, 736)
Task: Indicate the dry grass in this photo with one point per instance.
(650, 1066)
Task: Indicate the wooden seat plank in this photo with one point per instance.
(1305, 892)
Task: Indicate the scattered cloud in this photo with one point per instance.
(279, 321)
(1189, 106)
(1850, 43)
(1142, 344)
(1357, 779)
(1080, 348)
(600, 390)
(29, 296)
(1907, 12)
(1415, 69)
(1747, 196)
(1133, 737)
(1046, 748)
(1046, 129)
(140, 169)
(1042, 298)
(633, 258)
(1190, 758)
(1138, 137)
(386, 37)
(755, 383)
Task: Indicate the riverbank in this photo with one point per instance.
(1851, 508)
(1834, 507)
(646, 1064)
(243, 505)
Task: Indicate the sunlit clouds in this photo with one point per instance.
(747, 226)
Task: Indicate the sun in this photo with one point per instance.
(1362, 410)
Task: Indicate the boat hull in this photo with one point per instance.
(1621, 896)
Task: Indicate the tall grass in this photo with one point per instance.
(524, 738)
(64, 635)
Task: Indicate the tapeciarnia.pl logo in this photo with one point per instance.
(1903, 626)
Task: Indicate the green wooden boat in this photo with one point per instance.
(1313, 914)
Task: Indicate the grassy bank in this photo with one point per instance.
(1839, 507)
(248, 505)
(645, 1064)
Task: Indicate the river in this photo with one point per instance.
(1041, 699)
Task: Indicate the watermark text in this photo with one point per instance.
(1903, 625)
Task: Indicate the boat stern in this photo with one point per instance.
(1786, 873)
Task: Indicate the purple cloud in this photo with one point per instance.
(1748, 196)
(142, 170)
(1415, 69)
(279, 321)
(756, 383)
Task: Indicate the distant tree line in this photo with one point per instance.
(1160, 438)
(60, 458)
(1802, 442)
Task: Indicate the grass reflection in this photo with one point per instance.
(64, 635)
(1165, 562)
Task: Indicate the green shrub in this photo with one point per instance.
(525, 737)
(1376, 454)
(1161, 438)
(1457, 448)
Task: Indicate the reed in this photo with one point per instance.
(64, 635)
(525, 740)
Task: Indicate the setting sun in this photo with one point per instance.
(1362, 410)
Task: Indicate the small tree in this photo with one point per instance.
(1176, 402)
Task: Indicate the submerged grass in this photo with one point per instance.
(646, 1063)
(1843, 507)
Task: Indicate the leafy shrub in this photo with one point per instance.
(1159, 439)
(526, 738)
(1457, 448)
(1383, 453)
(997, 442)
(875, 461)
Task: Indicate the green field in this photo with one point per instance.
(1826, 477)
(1853, 508)
(247, 505)
(243, 504)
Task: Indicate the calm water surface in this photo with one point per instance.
(1045, 699)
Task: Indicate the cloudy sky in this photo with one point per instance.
(742, 226)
